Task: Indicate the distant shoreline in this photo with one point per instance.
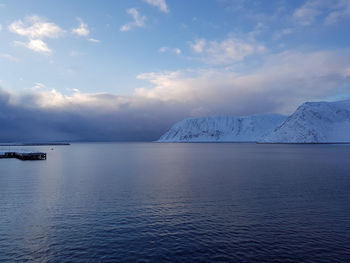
(250, 142)
(36, 144)
(302, 142)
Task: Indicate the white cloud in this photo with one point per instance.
(94, 40)
(198, 45)
(284, 81)
(161, 4)
(35, 29)
(139, 21)
(176, 51)
(82, 29)
(39, 46)
(39, 86)
(0, 27)
(8, 57)
(227, 51)
(36, 45)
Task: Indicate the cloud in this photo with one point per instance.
(284, 32)
(82, 29)
(0, 27)
(198, 45)
(8, 57)
(88, 117)
(283, 82)
(94, 40)
(307, 13)
(39, 86)
(258, 30)
(39, 46)
(176, 51)
(35, 29)
(36, 45)
(161, 4)
(228, 51)
(340, 10)
(139, 21)
(311, 10)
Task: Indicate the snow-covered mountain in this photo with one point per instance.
(315, 122)
(312, 122)
(223, 129)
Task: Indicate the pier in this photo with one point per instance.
(22, 155)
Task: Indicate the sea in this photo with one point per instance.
(177, 202)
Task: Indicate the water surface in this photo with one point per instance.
(150, 202)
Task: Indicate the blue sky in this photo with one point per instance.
(195, 58)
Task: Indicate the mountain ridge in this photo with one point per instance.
(222, 128)
(312, 122)
(315, 122)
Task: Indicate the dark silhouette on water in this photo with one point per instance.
(24, 155)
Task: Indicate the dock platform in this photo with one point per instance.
(22, 155)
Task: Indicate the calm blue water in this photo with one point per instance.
(148, 202)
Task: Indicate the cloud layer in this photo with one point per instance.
(280, 85)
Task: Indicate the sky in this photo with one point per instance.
(127, 70)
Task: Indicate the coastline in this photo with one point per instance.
(36, 144)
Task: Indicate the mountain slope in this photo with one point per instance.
(315, 122)
(223, 128)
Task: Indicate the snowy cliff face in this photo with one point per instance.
(223, 129)
(315, 122)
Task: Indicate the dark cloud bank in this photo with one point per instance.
(23, 123)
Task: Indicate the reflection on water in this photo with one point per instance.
(149, 202)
